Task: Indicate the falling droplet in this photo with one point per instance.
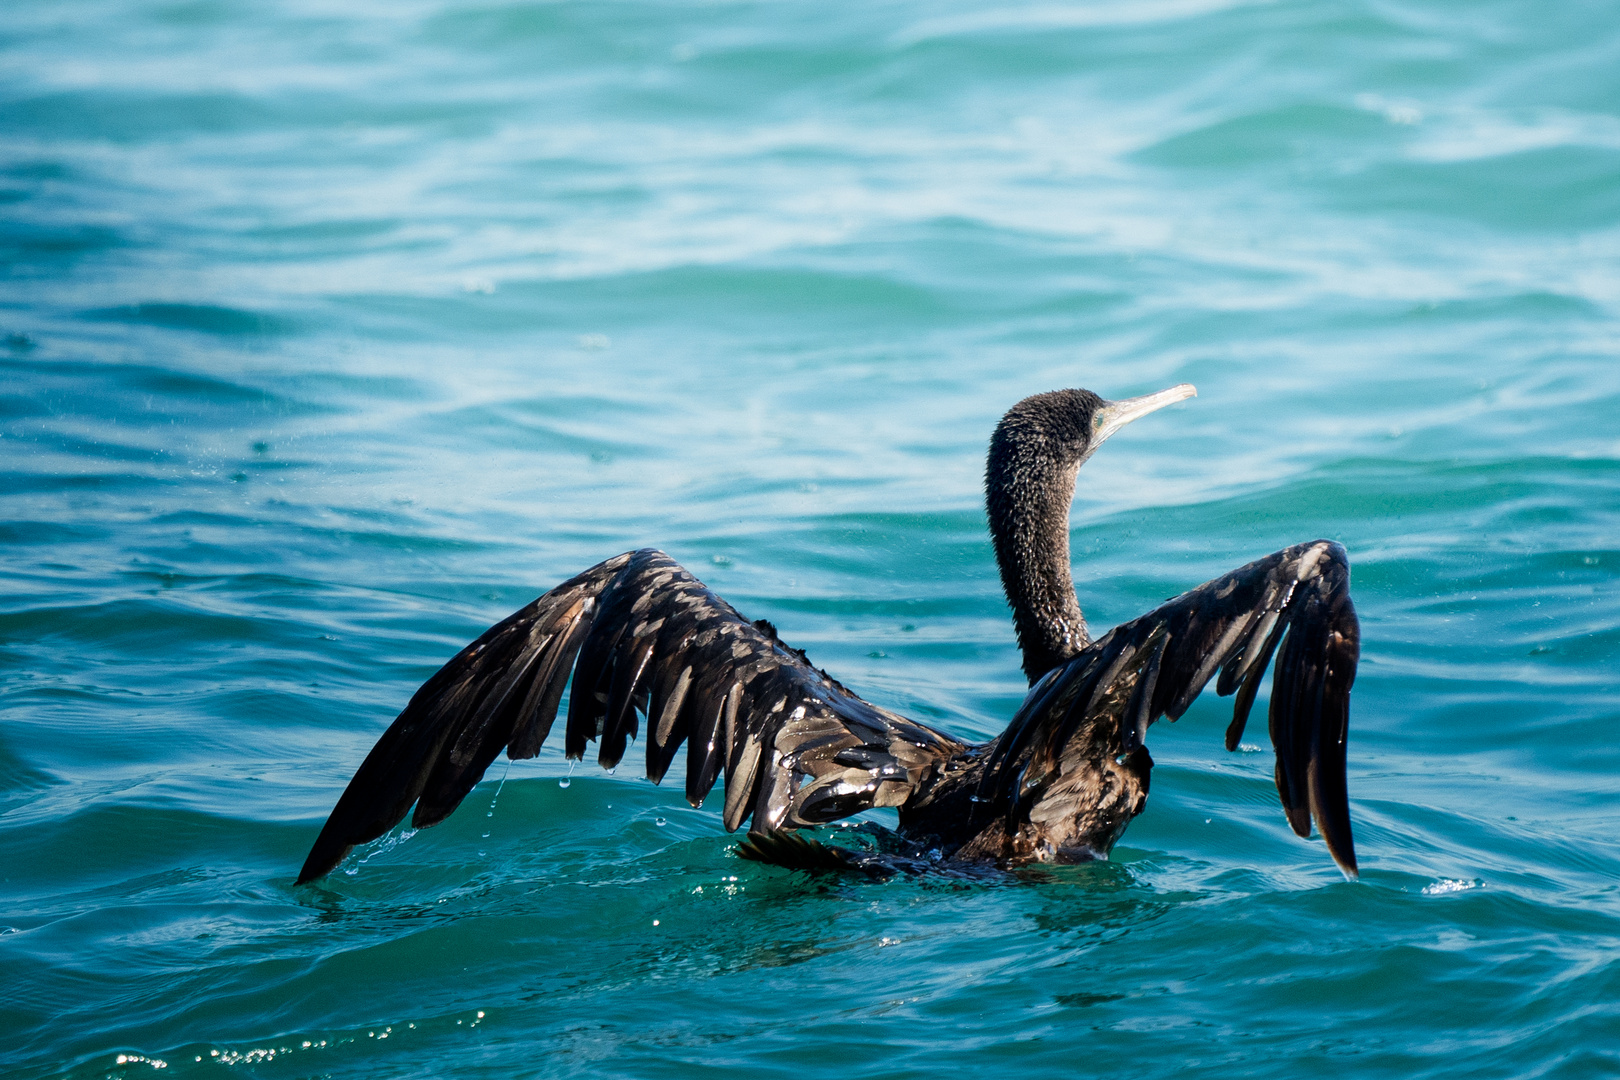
(660, 822)
(486, 836)
(564, 782)
(498, 788)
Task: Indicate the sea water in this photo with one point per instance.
(331, 334)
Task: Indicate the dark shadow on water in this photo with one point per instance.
(207, 318)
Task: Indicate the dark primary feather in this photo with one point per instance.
(1155, 665)
(642, 637)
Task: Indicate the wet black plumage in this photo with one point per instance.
(645, 640)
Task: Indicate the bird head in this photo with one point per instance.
(1067, 426)
(1035, 453)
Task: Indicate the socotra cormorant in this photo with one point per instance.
(644, 638)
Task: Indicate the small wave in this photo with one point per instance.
(1473, 134)
(1442, 886)
(205, 317)
(1066, 17)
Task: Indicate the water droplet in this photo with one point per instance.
(486, 836)
(655, 922)
(660, 822)
(564, 782)
(498, 788)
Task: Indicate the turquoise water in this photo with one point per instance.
(329, 337)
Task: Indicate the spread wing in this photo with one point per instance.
(641, 636)
(1296, 600)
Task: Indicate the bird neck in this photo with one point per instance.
(1029, 485)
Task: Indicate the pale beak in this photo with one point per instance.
(1116, 414)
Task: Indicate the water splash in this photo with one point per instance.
(381, 846)
(569, 779)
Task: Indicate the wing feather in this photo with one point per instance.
(1294, 604)
(641, 637)
(673, 719)
(539, 709)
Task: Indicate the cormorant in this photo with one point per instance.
(644, 638)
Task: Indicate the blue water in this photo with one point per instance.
(330, 336)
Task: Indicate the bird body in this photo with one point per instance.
(645, 640)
